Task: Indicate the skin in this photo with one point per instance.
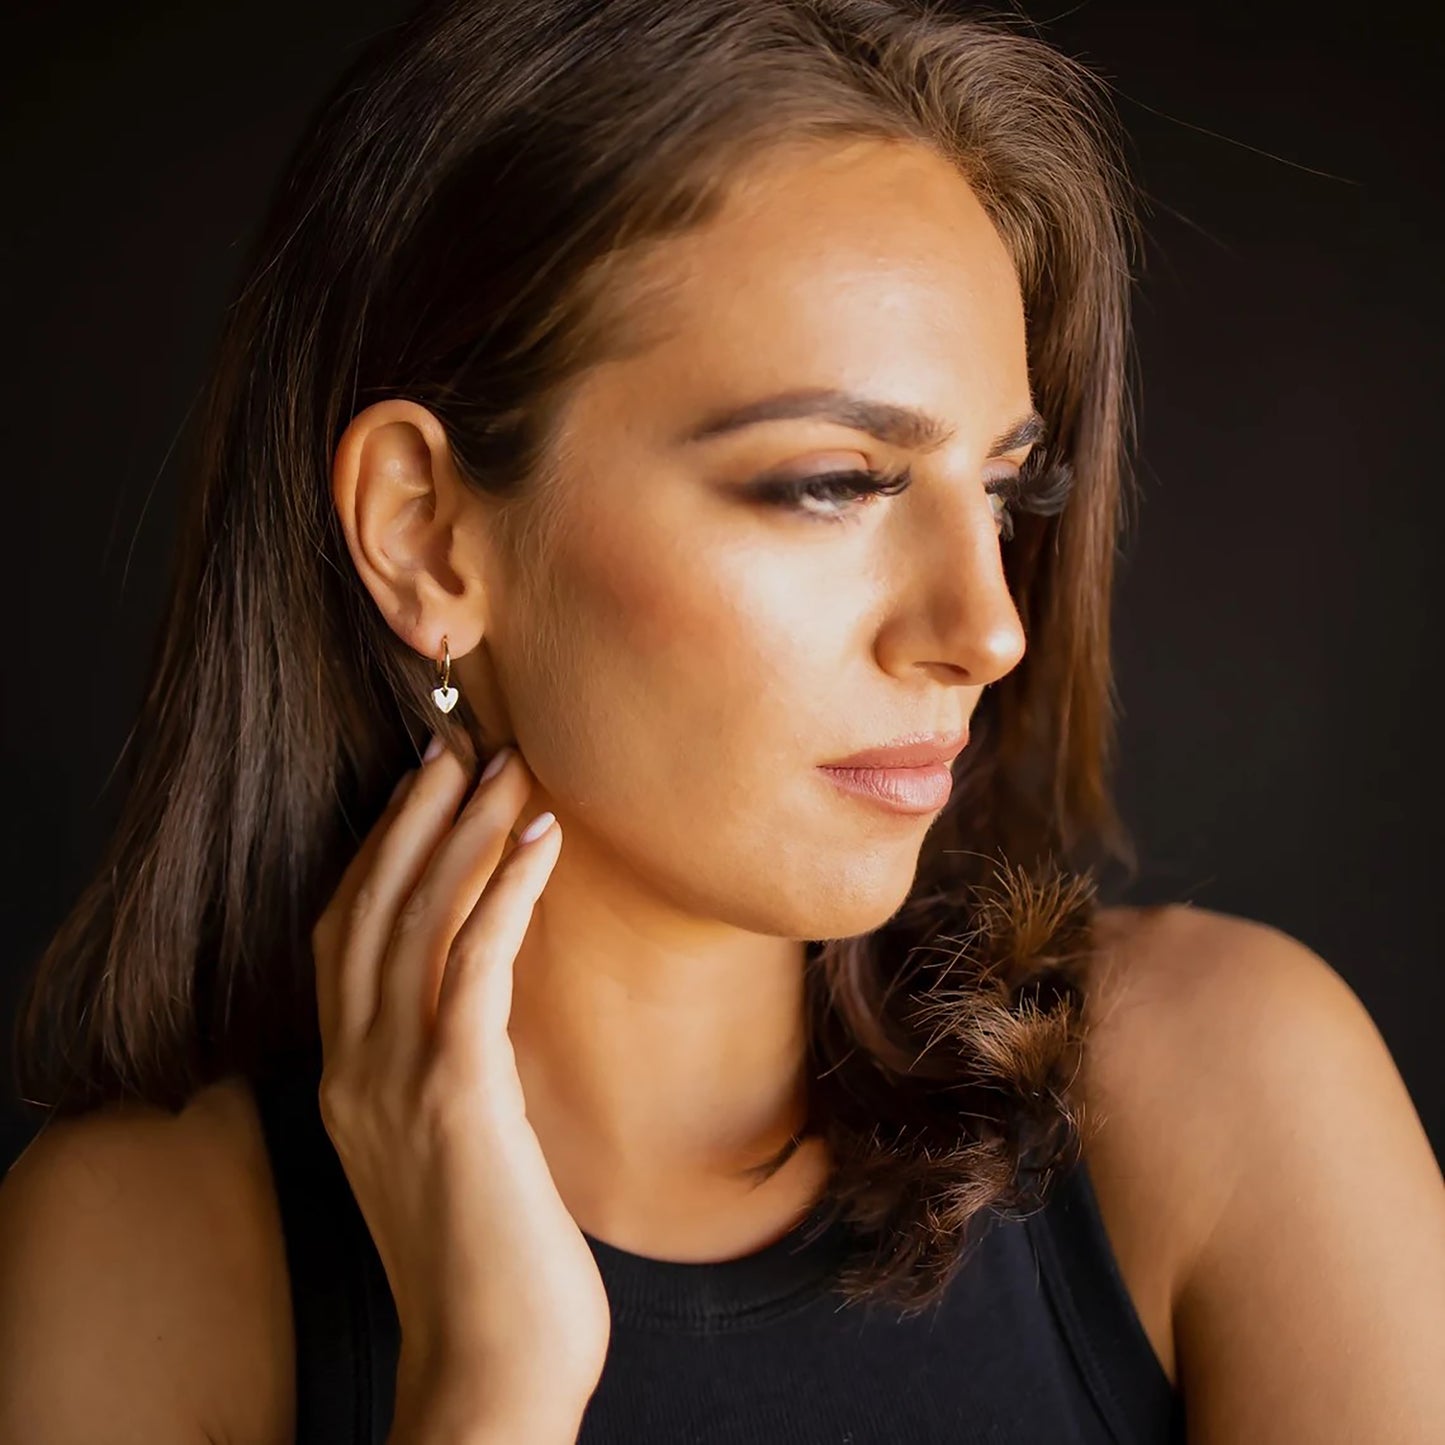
(695, 654)
(1271, 1199)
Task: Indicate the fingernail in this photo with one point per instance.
(497, 763)
(536, 827)
(434, 749)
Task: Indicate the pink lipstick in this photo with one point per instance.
(903, 790)
(910, 775)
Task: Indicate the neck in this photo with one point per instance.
(663, 1059)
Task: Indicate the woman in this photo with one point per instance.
(710, 418)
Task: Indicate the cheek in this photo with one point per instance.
(733, 639)
(658, 655)
(679, 702)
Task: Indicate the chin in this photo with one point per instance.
(854, 898)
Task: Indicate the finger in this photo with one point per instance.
(474, 1002)
(442, 897)
(392, 859)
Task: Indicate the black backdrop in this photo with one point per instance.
(1278, 608)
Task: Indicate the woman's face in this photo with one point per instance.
(687, 654)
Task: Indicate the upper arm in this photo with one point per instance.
(140, 1294)
(1311, 1306)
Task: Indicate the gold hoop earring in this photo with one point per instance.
(443, 694)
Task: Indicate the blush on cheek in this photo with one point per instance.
(650, 599)
(679, 649)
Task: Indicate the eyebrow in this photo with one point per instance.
(899, 426)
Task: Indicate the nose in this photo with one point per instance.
(956, 616)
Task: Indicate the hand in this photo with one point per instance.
(496, 1288)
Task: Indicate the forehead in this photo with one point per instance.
(872, 266)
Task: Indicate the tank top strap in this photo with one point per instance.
(1096, 1314)
(341, 1305)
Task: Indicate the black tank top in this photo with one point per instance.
(1036, 1342)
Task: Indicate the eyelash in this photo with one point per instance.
(1040, 487)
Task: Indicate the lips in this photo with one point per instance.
(900, 790)
(919, 750)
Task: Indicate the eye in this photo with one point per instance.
(1003, 494)
(1041, 486)
(830, 496)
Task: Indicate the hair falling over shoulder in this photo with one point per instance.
(452, 227)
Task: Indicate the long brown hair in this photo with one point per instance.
(455, 227)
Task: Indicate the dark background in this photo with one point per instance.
(1278, 609)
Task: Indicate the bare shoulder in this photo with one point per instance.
(143, 1285)
(1178, 1002)
(1274, 1202)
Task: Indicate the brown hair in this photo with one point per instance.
(455, 227)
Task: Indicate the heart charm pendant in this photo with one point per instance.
(445, 697)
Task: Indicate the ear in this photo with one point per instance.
(410, 525)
